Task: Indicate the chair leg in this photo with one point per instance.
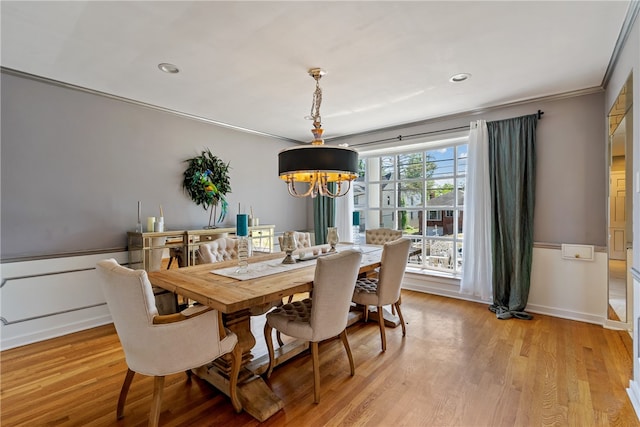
(404, 328)
(345, 341)
(383, 336)
(269, 341)
(366, 313)
(233, 378)
(123, 393)
(279, 338)
(154, 414)
(316, 372)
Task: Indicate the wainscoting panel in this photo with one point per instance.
(47, 298)
(566, 288)
(42, 299)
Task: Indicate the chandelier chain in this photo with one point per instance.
(315, 103)
(318, 170)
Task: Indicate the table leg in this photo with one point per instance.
(256, 397)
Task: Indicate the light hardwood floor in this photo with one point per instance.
(458, 366)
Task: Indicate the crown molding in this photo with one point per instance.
(11, 71)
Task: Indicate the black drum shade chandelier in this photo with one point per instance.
(313, 167)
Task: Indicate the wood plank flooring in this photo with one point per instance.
(458, 366)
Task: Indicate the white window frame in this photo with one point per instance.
(376, 213)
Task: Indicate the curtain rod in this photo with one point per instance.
(415, 135)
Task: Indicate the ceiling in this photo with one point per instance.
(244, 64)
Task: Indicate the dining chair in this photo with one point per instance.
(220, 249)
(322, 316)
(380, 236)
(158, 345)
(385, 289)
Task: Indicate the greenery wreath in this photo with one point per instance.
(206, 181)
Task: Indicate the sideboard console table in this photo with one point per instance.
(146, 249)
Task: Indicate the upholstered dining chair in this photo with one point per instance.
(385, 289)
(221, 249)
(322, 316)
(157, 345)
(380, 236)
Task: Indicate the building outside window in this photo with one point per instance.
(421, 192)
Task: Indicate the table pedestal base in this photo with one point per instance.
(257, 399)
(390, 320)
(282, 354)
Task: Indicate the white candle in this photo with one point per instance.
(151, 221)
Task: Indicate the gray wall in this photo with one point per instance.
(570, 182)
(75, 164)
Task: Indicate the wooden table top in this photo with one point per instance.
(229, 295)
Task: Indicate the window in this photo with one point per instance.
(420, 192)
(434, 216)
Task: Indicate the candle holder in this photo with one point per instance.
(289, 245)
(243, 255)
(242, 233)
(332, 238)
(356, 230)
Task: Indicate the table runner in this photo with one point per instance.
(370, 254)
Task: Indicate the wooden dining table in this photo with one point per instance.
(238, 299)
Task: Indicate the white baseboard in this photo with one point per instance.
(55, 326)
(43, 299)
(634, 395)
(426, 285)
(568, 289)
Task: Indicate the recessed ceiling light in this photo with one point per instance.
(168, 68)
(457, 78)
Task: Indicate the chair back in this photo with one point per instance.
(303, 239)
(333, 286)
(380, 236)
(395, 255)
(221, 249)
(131, 303)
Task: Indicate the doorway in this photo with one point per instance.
(620, 216)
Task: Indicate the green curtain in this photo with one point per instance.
(512, 164)
(324, 215)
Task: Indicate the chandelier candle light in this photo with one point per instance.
(317, 164)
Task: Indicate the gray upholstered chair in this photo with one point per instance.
(322, 316)
(159, 345)
(380, 236)
(385, 289)
(221, 249)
